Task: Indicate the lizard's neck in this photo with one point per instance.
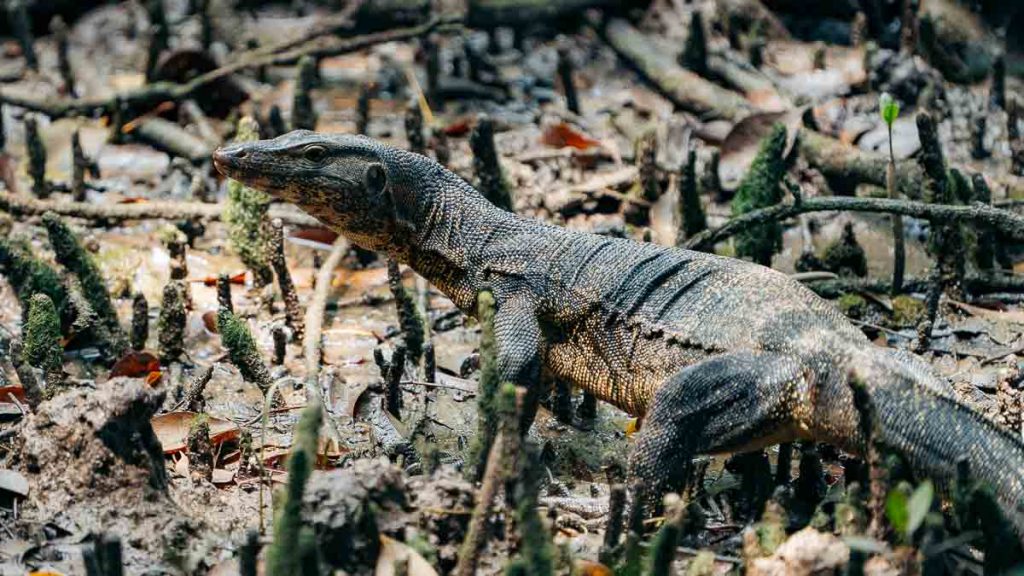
(452, 233)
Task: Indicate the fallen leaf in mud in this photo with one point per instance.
(591, 568)
(392, 551)
(222, 476)
(17, 391)
(318, 238)
(172, 430)
(212, 280)
(132, 200)
(741, 145)
(154, 377)
(457, 128)
(135, 364)
(561, 135)
(210, 321)
(1011, 316)
(13, 482)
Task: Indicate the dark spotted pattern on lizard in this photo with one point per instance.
(717, 354)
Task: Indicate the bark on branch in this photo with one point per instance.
(1004, 221)
(148, 96)
(26, 206)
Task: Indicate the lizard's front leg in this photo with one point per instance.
(518, 335)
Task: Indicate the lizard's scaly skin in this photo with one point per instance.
(718, 354)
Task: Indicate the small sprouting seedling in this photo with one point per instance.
(906, 509)
(889, 108)
(245, 355)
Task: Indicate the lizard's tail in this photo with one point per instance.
(936, 433)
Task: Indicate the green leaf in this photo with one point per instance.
(889, 108)
(897, 508)
(918, 506)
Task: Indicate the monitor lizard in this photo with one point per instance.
(716, 354)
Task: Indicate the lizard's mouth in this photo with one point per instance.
(236, 163)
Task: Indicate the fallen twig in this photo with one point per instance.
(152, 94)
(314, 328)
(161, 210)
(1006, 222)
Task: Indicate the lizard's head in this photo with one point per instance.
(351, 183)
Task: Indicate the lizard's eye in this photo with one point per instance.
(376, 179)
(315, 153)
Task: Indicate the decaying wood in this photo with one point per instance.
(683, 88)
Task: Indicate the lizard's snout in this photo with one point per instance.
(228, 160)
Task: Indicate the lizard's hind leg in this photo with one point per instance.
(734, 402)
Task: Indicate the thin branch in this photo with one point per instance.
(1006, 222)
(163, 210)
(314, 329)
(320, 47)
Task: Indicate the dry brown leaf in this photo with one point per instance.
(1008, 316)
(172, 430)
(135, 364)
(563, 135)
(591, 568)
(211, 280)
(393, 551)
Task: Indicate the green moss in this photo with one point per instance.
(245, 355)
(907, 311)
(845, 256)
(283, 555)
(171, 322)
(663, 547)
(487, 412)
(246, 216)
(853, 305)
(42, 347)
(72, 255)
(759, 189)
(29, 275)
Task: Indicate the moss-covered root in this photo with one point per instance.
(663, 547)
(536, 551)
(409, 316)
(691, 218)
(140, 321)
(487, 413)
(73, 256)
(489, 174)
(695, 53)
(246, 217)
(283, 557)
(237, 338)
(29, 275)
(760, 188)
(172, 322)
(303, 114)
(293, 313)
(846, 257)
(645, 153)
(42, 348)
(36, 157)
(199, 449)
(414, 127)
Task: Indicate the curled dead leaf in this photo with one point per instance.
(210, 321)
(135, 364)
(591, 568)
(563, 135)
(172, 430)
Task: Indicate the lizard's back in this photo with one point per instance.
(624, 316)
